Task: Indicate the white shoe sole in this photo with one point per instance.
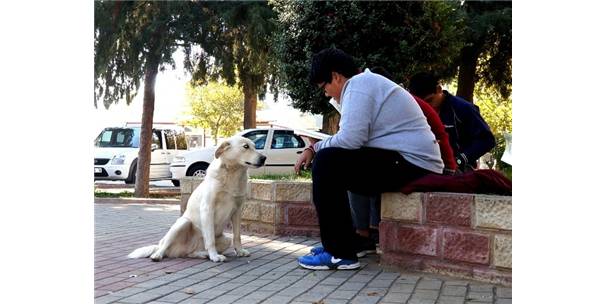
(324, 267)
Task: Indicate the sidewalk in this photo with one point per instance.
(270, 275)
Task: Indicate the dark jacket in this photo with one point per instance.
(470, 136)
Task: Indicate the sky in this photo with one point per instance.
(171, 104)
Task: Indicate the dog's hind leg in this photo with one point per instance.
(177, 228)
(222, 242)
(201, 254)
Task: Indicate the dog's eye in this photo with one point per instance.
(246, 146)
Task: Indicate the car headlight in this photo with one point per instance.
(118, 159)
(178, 159)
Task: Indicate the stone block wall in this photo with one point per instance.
(463, 235)
(272, 207)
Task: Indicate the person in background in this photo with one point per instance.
(383, 143)
(470, 136)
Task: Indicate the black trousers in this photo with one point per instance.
(368, 171)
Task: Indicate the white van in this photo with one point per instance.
(117, 151)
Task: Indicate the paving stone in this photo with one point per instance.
(246, 300)
(481, 288)
(365, 299)
(143, 297)
(396, 297)
(175, 297)
(343, 294)
(404, 288)
(503, 292)
(426, 294)
(225, 299)
(330, 301)
(270, 275)
(380, 283)
(451, 300)
(352, 286)
(106, 299)
(420, 301)
(479, 296)
(277, 300)
(454, 290)
(429, 284)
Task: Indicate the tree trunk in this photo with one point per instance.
(330, 122)
(144, 160)
(250, 103)
(467, 72)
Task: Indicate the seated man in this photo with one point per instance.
(366, 210)
(383, 143)
(470, 136)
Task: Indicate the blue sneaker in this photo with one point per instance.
(362, 253)
(316, 250)
(325, 261)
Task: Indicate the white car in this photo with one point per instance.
(282, 148)
(117, 151)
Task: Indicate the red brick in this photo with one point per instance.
(405, 261)
(304, 215)
(449, 209)
(388, 235)
(409, 239)
(467, 247)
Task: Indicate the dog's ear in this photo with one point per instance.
(224, 146)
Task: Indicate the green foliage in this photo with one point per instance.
(497, 112)
(305, 176)
(403, 37)
(132, 35)
(216, 106)
(104, 194)
(489, 33)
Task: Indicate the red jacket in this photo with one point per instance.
(433, 119)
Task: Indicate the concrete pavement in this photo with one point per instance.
(270, 275)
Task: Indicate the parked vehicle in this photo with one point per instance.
(281, 147)
(117, 151)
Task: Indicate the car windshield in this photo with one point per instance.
(118, 137)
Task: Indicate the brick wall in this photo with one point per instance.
(464, 235)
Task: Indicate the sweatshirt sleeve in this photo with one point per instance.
(354, 126)
(482, 139)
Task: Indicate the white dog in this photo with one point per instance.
(198, 233)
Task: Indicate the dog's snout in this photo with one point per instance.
(262, 159)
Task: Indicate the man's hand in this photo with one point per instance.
(304, 159)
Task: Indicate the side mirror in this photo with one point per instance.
(154, 147)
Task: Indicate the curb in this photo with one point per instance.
(137, 200)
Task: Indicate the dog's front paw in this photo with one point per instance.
(242, 252)
(217, 257)
(156, 257)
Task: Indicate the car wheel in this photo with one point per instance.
(198, 170)
(176, 182)
(132, 174)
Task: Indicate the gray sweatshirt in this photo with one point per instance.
(378, 113)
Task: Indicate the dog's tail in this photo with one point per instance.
(143, 252)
